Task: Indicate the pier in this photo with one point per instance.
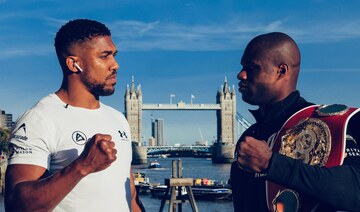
(173, 193)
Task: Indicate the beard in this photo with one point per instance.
(99, 89)
(96, 88)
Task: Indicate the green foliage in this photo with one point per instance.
(4, 139)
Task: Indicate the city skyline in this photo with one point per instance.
(6, 120)
(157, 131)
(184, 48)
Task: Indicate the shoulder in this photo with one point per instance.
(39, 108)
(353, 126)
(39, 116)
(47, 104)
(109, 109)
(302, 103)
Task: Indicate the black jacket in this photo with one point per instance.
(337, 187)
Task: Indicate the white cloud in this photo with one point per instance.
(26, 51)
(273, 26)
(134, 35)
(54, 21)
(9, 14)
(143, 36)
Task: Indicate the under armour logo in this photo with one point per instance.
(79, 137)
(122, 134)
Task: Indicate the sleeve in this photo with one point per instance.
(338, 186)
(28, 138)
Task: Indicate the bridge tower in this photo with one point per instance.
(133, 113)
(133, 110)
(226, 116)
(223, 149)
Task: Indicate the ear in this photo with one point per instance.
(283, 70)
(70, 63)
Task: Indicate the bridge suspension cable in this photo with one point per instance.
(242, 121)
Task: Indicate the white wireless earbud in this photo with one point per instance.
(78, 67)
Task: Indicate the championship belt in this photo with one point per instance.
(317, 136)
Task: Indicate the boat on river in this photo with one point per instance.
(159, 191)
(142, 183)
(211, 192)
(154, 165)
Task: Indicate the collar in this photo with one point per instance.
(279, 109)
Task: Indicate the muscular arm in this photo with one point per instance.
(337, 186)
(28, 189)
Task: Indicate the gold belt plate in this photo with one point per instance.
(309, 141)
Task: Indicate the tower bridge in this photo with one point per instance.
(226, 115)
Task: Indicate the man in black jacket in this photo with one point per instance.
(271, 65)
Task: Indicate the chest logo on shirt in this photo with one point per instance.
(79, 137)
(123, 135)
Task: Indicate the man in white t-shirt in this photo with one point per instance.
(70, 152)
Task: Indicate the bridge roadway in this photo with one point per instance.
(181, 106)
(161, 149)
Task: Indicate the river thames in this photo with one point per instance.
(192, 168)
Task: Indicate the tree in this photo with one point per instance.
(4, 139)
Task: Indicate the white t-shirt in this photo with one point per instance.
(53, 134)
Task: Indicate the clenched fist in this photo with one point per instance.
(254, 155)
(98, 154)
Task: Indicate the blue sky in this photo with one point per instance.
(182, 47)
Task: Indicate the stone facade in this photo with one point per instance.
(226, 117)
(133, 111)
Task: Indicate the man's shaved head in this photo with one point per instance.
(278, 48)
(271, 65)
